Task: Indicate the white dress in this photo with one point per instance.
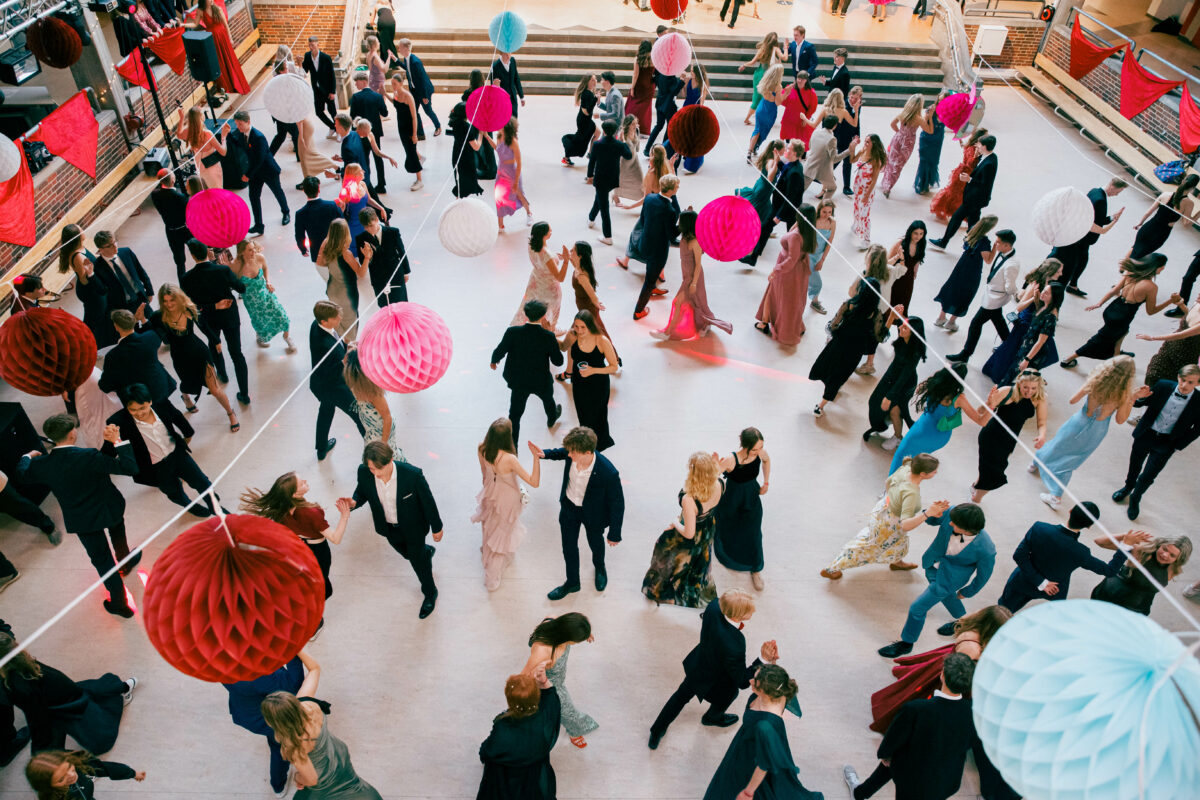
(542, 286)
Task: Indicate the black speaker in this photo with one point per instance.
(201, 52)
(155, 160)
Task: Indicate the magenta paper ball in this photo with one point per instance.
(405, 347)
(727, 228)
(955, 109)
(218, 218)
(489, 108)
(671, 54)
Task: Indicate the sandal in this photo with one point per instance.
(831, 574)
(189, 405)
(763, 327)
(579, 742)
(234, 424)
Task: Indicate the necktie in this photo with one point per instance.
(123, 277)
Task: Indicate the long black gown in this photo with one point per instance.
(466, 182)
(995, 443)
(189, 355)
(960, 288)
(1118, 316)
(898, 385)
(761, 742)
(836, 363)
(516, 755)
(591, 393)
(576, 144)
(1154, 234)
(406, 125)
(738, 542)
(56, 706)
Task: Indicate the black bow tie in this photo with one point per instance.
(1182, 396)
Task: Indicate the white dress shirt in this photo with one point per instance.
(940, 693)
(1001, 285)
(387, 497)
(577, 481)
(157, 440)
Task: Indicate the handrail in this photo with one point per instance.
(1137, 53)
(950, 14)
(988, 9)
(1078, 12)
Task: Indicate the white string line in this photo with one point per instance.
(968, 389)
(211, 491)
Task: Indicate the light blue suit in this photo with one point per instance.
(965, 572)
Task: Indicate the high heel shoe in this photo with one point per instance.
(189, 405)
(579, 742)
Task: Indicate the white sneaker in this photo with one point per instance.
(891, 443)
(1032, 469)
(127, 695)
(592, 224)
(1193, 592)
(417, 185)
(1133, 420)
(604, 240)
(951, 327)
(660, 335)
(528, 220)
(1051, 500)
(939, 323)
(851, 777)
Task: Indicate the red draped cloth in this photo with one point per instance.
(16, 198)
(1139, 88)
(1189, 122)
(918, 676)
(1086, 56)
(71, 132)
(168, 46)
(232, 78)
(133, 69)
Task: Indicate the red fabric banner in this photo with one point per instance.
(134, 70)
(168, 46)
(72, 133)
(1139, 88)
(16, 198)
(1086, 56)
(1189, 122)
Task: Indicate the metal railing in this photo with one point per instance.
(956, 48)
(1019, 9)
(1171, 72)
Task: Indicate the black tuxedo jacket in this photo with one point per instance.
(927, 744)
(142, 288)
(525, 349)
(1051, 553)
(659, 219)
(79, 478)
(978, 190)
(389, 254)
(791, 188)
(369, 104)
(1100, 212)
(323, 82)
(418, 79)
(312, 224)
(839, 78)
(178, 428)
(134, 359)
(510, 80)
(259, 161)
(603, 500)
(171, 205)
(208, 283)
(604, 162)
(326, 377)
(1187, 427)
(719, 661)
(416, 512)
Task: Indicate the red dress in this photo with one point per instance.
(641, 99)
(950, 196)
(232, 78)
(797, 108)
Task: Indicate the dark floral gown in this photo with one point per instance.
(681, 569)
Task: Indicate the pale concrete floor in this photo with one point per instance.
(413, 699)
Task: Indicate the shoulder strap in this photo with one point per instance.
(325, 707)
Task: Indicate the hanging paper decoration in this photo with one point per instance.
(671, 54)
(1086, 56)
(955, 109)
(507, 32)
(10, 158)
(1063, 216)
(1189, 122)
(1139, 87)
(168, 46)
(468, 227)
(218, 218)
(1061, 695)
(54, 42)
(17, 225)
(405, 347)
(288, 98)
(227, 611)
(46, 351)
(727, 228)
(72, 133)
(133, 69)
(489, 108)
(668, 9)
(693, 131)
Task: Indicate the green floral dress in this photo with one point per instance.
(681, 569)
(266, 312)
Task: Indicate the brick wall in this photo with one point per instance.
(1160, 120)
(1019, 48)
(285, 23)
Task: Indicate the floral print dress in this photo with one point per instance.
(862, 203)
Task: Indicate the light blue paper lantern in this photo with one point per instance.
(507, 31)
(1059, 696)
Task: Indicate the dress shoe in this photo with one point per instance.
(896, 649)
(557, 413)
(601, 579)
(947, 629)
(54, 535)
(1174, 312)
(724, 721)
(120, 611)
(8, 580)
(960, 357)
(287, 218)
(1135, 507)
(381, 189)
(655, 738)
(257, 230)
(427, 606)
(559, 592)
(131, 564)
(938, 244)
(324, 451)
(1075, 290)
(243, 398)
(645, 312)
(14, 747)
(1121, 494)
(658, 292)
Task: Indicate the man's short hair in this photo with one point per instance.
(103, 239)
(535, 310)
(123, 319)
(312, 39)
(24, 284)
(736, 603)
(405, 42)
(198, 249)
(377, 453)
(360, 75)
(1083, 515)
(829, 121)
(367, 216)
(989, 142)
(967, 516)
(668, 183)
(580, 439)
(1117, 183)
(135, 393)
(661, 29)
(1006, 236)
(799, 29)
(311, 186)
(608, 75)
(325, 310)
(957, 671)
(1188, 370)
(241, 115)
(59, 427)
(841, 52)
(344, 120)
(609, 127)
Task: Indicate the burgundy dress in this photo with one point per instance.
(917, 677)
(641, 99)
(782, 306)
(902, 287)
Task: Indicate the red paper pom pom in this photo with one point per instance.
(405, 347)
(227, 613)
(489, 108)
(728, 228)
(46, 351)
(668, 9)
(693, 131)
(54, 42)
(218, 218)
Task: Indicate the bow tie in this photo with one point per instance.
(741, 625)
(1181, 396)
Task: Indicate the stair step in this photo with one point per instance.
(485, 50)
(621, 61)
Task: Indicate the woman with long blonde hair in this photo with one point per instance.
(681, 564)
(1010, 408)
(267, 315)
(905, 126)
(502, 499)
(658, 167)
(767, 55)
(343, 271)
(1108, 392)
(870, 160)
(373, 411)
(207, 149)
(771, 89)
(175, 322)
(1163, 557)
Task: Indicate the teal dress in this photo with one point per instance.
(266, 312)
(927, 435)
(1077, 439)
(760, 196)
(336, 778)
(762, 743)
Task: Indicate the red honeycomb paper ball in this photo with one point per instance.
(693, 131)
(54, 42)
(405, 347)
(227, 613)
(218, 218)
(728, 228)
(46, 351)
(668, 9)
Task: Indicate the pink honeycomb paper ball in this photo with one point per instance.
(405, 347)
(955, 109)
(727, 228)
(489, 108)
(671, 54)
(218, 218)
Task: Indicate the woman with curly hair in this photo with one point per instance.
(1163, 557)
(1107, 392)
(870, 158)
(680, 567)
(1015, 405)
(943, 403)
(59, 775)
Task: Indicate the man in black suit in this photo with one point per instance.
(787, 197)
(978, 191)
(604, 174)
(134, 359)
(716, 670)
(126, 283)
(404, 512)
(369, 104)
(211, 286)
(925, 747)
(388, 269)
(667, 87)
(651, 240)
(326, 381)
(1074, 257)
(1171, 423)
(591, 497)
(839, 76)
(314, 218)
(1048, 555)
(526, 349)
(319, 66)
(22, 509)
(159, 435)
(261, 168)
(420, 86)
(80, 479)
(171, 205)
(353, 148)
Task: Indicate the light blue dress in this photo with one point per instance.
(924, 436)
(814, 278)
(1077, 439)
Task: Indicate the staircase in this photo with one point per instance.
(551, 62)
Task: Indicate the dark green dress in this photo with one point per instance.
(760, 742)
